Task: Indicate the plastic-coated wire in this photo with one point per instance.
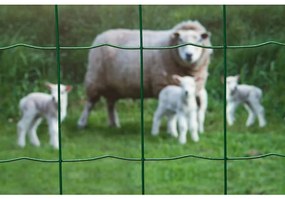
(261, 156)
(138, 48)
(58, 95)
(105, 45)
(142, 99)
(225, 102)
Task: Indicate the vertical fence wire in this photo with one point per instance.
(58, 93)
(225, 102)
(142, 101)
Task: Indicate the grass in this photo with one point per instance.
(111, 176)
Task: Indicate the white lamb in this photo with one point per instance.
(249, 96)
(35, 106)
(178, 102)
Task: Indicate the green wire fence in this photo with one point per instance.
(142, 159)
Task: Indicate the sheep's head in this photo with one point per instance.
(64, 90)
(187, 84)
(190, 54)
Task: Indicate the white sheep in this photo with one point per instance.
(114, 73)
(178, 103)
(37, 105)
(249, 96)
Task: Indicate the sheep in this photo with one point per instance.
(248, 95)
(178, 102)
(115, 73)
(36, 106)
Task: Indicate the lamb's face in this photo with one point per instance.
(189, 53)
(231, 83)
(63, 91)
(188, 86)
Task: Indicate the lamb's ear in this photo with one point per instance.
(222, 79)
(68, 88)
(176, 78)
(49, 85)
(237, 77)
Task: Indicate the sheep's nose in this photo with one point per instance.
(188, 56)
(186, 93)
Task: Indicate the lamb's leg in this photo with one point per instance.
(33, 132)
(156, 120)
(112, 113)
(231, 107)
(259, 110)
(183, 128)
(193, 125)
(23, 127)
(202, 108)
(82, 122)
(251, 115)
(53, 131)
(172, 125)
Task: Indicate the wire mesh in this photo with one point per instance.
(141, 159)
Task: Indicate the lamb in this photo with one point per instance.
(249, 96)
(115, 73)
(178, 102)
(36, 106)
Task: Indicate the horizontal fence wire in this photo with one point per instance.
(137, 159)
(138, 48)
(141, 159)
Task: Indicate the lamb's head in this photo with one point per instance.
(64, 90)
(190, 54)
(231, 84)
(187, 84)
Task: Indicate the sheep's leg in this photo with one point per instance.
(203, 104)
(82, 122)
(112, 113)
(182, 125)
(53, 131)
(156, 120)
(231, 107)
(251, 115)
(172, 125)
(23, 127)
(33, 132)
(193, 125)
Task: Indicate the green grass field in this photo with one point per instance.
(112, 176)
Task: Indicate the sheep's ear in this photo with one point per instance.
(176, 78)
(205, 35)
(175, 35)
(68, 88)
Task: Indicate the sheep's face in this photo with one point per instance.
(231, 84)
(189, 53)
(63, 91)
(187, 84)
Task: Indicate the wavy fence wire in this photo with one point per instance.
(142, 159)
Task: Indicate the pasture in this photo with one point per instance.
(24, 70)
